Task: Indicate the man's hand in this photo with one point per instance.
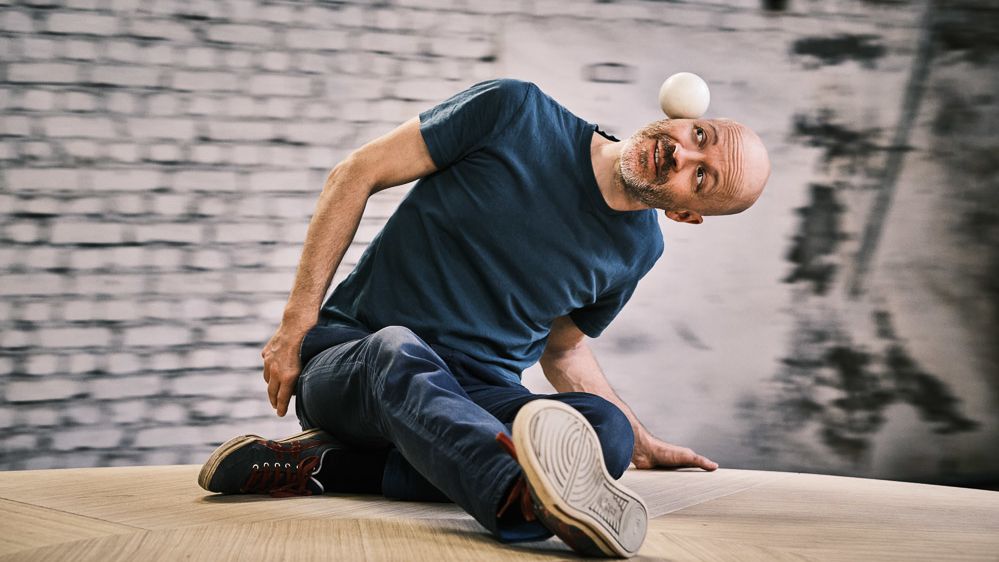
(654, 453)
(282, 365)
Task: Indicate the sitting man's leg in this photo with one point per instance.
(392, 388)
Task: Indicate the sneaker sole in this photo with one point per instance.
(560, 454)
(225, 449)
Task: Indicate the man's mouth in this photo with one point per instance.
(661, 160)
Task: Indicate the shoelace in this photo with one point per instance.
(519, 491)
(281, 480)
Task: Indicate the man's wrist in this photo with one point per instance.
(643, 439)
(296, 322)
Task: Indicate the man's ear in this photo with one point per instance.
(691, 217)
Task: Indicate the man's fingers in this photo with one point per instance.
(705, 463)
(687, 458)
(693, 460)
(273, 386)
(283, 397)
(267, 374)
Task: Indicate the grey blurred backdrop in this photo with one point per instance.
(160, 160)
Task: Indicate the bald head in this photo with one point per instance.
(750, 166)
(694, 167)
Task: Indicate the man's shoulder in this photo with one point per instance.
(510, 85)
(509, 91)
(532, 105)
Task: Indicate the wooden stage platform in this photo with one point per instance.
(159, 513)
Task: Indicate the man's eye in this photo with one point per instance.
(700, 176)
(700, 134)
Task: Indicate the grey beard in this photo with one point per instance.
(658, 198)
(644, 191)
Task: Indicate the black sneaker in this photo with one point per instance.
(250, 464)
(565, 485)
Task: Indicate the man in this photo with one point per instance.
(529, 231)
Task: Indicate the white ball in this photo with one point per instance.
(684, 95)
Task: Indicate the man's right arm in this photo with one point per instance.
(396, 158)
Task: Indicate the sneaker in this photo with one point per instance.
(566, 486)
(250, 464)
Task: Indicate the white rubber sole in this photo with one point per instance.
(223, 450)
(560, 454)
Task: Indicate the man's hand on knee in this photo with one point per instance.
(282, 366)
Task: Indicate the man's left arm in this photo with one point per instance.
(570, 366)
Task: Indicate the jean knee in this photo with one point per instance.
(394, 349)
(386, 344)
(617, 439)
(394, 337)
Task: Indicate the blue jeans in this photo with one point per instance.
(439, 412)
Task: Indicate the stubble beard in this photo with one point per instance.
(634, 161)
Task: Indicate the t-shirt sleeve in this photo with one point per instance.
(467, 120)
(594, 318)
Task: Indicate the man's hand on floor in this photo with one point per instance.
(655, 453)
(282, 366)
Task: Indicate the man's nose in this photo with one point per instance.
(683, 156)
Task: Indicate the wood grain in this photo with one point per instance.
(815, 517)
(26, 526)
(159, 513)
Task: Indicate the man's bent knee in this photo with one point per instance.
(395, 336)
(396, 348)
(617, 439)
(390, 341)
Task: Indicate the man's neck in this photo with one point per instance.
(605, 155)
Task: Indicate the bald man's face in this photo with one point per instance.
(694, 167)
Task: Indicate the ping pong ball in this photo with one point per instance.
(684, 95)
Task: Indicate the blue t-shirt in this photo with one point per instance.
(510, 233)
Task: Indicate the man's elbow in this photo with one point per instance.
(350, 175)
(553, 354)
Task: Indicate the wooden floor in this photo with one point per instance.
(159, 513)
